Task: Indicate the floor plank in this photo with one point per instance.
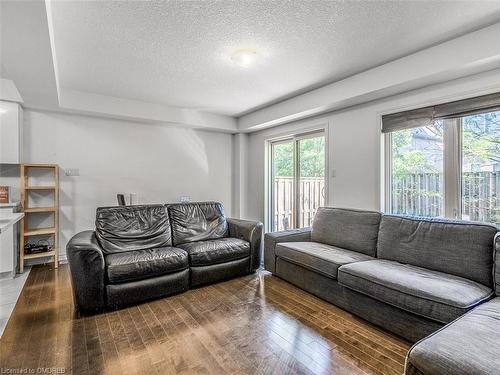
(257, 324)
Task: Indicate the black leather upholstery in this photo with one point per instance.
(204, 253)
(127, 228)
(141, 290)
(217, 272)
(86, 263)
(251, 232)
(129, 258)
(142, 264)
(193, 222)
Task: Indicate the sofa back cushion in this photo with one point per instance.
(350, 229)
(199, 221)
(458, 248)
(127, 228)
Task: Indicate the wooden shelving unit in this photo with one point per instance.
(51, 232)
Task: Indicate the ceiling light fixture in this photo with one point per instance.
(244, 57)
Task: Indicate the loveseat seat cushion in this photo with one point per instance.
(127, 228)
(193, 222)
(318, 257)
(459, 248)
(206, 253)
(348, 229)
(143, 264)
(431, 294)
(469, 345)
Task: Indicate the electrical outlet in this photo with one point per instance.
(72, 172)
(185, 199)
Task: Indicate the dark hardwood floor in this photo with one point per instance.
(254, 324)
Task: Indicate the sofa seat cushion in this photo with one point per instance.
(469, 345)
(431, 294)
(143, 264)
(205, 253)
(318, 257)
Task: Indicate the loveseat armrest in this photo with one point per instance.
(250, 231)
(273, 238)
(496, 264)
(87, 267)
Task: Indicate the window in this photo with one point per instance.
(480, 160)
(297, 180)
(445, 160)
(417, 171)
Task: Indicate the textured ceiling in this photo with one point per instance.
(178, 52)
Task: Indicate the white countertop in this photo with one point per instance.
(10, 219)
(11, 204)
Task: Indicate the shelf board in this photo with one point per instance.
(40, 187)
(38, 232)
(40, 255)
(40, 166)
(40, 209)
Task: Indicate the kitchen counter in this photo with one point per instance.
(8, 220)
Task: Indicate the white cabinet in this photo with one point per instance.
(11, 133)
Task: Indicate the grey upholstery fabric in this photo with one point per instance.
(141, 290)
(434, 295)
(127, 228)
(455, 247)
(141, 264)
(322, 258)
(402, 323)
(349, 229)
(496, 269)
(250, 231)
(86, 263)
(218, 272)
(272, 239)
(204, 253)
(198, 221)
(469, 345)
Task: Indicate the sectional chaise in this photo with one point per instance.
(424, 279)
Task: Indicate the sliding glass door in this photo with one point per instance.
(297, 180)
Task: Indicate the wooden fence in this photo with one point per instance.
(421, 194)
(311, 197)
(418, 194)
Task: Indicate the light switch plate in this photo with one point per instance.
(72, 172)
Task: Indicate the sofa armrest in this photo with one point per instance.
(250, 231)
(496, 264)
(272, 239)
(87, 267)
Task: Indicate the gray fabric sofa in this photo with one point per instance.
(468, 345)
(410, 276)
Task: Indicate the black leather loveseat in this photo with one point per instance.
(143, 252)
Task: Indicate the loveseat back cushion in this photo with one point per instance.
(459, 248)
(200, 221)
(128, 228)
(354, 230)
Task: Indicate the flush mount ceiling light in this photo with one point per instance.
(244, 57)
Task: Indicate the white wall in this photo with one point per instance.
(354, 143)
(159, 163)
